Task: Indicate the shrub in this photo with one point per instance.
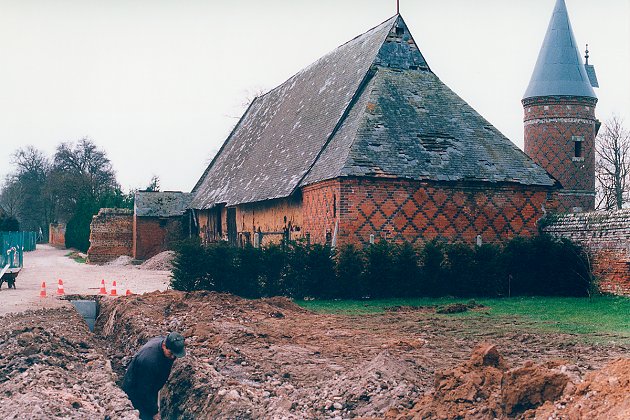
(524, 266)
(349, 265)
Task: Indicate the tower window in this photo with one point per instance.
(400, 31)
(577, 147)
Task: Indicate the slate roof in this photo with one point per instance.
(372, 107)
(161, 204)
(559, 69)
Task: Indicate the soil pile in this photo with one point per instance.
(270, 358)
(160, 262)
(266, 358)
(50, 366)
(604, 394)
(485, 387)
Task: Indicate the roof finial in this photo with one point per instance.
(397, 7)
(586, 56)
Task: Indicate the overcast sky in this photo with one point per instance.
(158, 84)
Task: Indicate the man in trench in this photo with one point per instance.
(149, 370)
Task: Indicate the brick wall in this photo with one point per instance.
(321, 204)
(553, 125)
(57, 234)
(111, 235)
(607, 236)
(152, 235)
(418, 212)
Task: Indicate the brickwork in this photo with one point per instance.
(152, 235)
(607, 236)
(57, 235)
(560, 137)
(321, 209)
(417, 212)
(111, 235)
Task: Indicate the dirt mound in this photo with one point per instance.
(270, 358)
(160, 262)
(50, 367)
(604, 394)
(452, 308)
(484, 387)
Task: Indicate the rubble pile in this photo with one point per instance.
(160, 262)
(50, 366)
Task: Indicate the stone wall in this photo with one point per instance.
(607, 236)
(111, 235)
(57, 234)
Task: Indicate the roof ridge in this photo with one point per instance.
(329, 53)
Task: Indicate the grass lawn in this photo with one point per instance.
(74, 255)
(600, 316)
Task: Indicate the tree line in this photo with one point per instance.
(70, 187)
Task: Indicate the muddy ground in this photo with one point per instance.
(272, 359)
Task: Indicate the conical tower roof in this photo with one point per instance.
(559, 70)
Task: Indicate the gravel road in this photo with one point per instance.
(50, 264)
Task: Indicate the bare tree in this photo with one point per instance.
(612, 167)
(11, 198)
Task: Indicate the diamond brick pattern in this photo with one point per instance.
(320, 208)
(417, 212)
(551, 126)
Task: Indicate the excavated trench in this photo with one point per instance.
(270, 358)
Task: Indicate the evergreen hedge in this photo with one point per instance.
(541, 266)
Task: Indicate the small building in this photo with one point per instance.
(367, 143)
(158, 221)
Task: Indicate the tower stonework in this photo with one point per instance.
(560, 123)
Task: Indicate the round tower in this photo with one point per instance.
(560, 122)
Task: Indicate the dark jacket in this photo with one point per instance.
(146, 375)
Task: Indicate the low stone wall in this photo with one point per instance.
(607, 236)
(111, 235)
(57, 234)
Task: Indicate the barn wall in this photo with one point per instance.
(272, 218)
(152, 235)
(111, 235)
(417, 212)
(321, 209)
(607, 236)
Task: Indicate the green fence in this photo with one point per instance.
(13, 245)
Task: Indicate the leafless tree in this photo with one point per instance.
(612, 167)
(11, 198)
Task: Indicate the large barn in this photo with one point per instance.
(366, 144)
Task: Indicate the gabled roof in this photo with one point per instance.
(161, 203)
(559, 69)
(372, 107)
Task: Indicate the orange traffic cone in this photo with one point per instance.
(103, 291)
(60, 287)
(113, 291)
(128, 292)
(42, 293)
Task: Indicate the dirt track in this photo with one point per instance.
(50, 264)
